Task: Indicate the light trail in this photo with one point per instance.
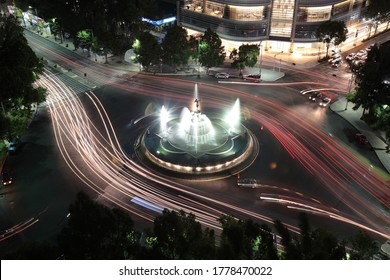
(78, 138)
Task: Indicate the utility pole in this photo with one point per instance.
(349, 88)
(261, 57)
(275, 60)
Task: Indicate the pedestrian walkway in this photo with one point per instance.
(376, 139)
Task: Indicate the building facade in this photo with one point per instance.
(282, 25)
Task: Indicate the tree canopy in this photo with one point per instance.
(175, 47)
(147, 50)
(332, 32)
(94, 231)
(372, 91)
(245, 56)
(19, 69)
(114, 23)
(211, 51)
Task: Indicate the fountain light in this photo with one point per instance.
(233, 117)
(164, 117)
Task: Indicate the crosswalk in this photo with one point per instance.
(76, 83)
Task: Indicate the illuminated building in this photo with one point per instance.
(282, 25)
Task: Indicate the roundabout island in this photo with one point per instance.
(189, 144)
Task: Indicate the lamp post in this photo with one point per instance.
(319, 53)
(349, 88)
(261, 57)
(275, 60)
(356, 35)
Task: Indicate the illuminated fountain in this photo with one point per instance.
(191, 145)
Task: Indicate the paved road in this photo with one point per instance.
(46, 191)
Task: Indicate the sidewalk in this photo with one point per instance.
(376, 139)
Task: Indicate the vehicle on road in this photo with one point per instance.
(247, 182)
(222, 75)
(315, 96)
(337, 64)
(12, 148)
(6, 178)
(334, 58)
(252, 77)
(351, 56)
(303, 92)
(325, 102)
(361, 139)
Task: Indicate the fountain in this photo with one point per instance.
(191, 145)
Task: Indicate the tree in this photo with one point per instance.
(363, 246)
(84, 39)
(372, 90)
(211, 51)
(175, 47)
(291, 245)
(179, 236)
(19, 69)
(122, 19)
(245, 240)
(94, 231)
(378, 11)
(147, 50)
(332, 32)
(326, 246)
(34, 251)
(246, 56)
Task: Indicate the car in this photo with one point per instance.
(334, 58)
(222, 75)
(361, 53)
(303, 92)
(315, 96)
(325, 101)
(337, 64)
(252, 77)
(337, 60)
(247, 182)
(12, 148)
(361, 138)
(6, 178)
(351, 56)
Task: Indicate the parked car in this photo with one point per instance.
(6, 178)
(325, 101)
(252, 77)
(361, 138)
(315, 96)
(222, 75)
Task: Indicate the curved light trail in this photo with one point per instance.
(110, 172)
(96, 157)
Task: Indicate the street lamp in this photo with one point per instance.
(349, 88)
(261, 57)
(275, 60)
(319, 53)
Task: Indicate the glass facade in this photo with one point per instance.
(341, 8)
(314, 14)
(246, 13)
(282, 18)
(254, 20)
